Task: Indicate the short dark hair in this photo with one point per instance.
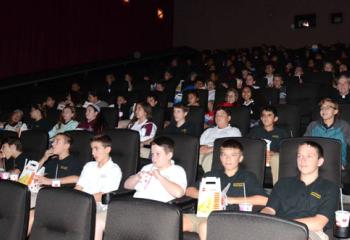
(183, 107)
(67, 137)
(225, 109)
(93, 93)
(269, 109)
(231, 143)
(13, 141)
(105, 140)
(316, 146)
(152, 95)
(165, 142)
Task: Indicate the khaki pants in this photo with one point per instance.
(274, 163)
(195, 221)
(317, 235)
(101, 218)
(206, 160)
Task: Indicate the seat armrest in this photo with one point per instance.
(120, 193)
(185, 203)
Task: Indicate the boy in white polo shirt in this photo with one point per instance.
(161, 180)
(99, 177)
(102, 175)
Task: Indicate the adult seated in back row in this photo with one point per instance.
(222, 129)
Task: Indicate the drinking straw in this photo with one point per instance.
(341, 200)
(56, 171)
(25, 163)
(244, 193)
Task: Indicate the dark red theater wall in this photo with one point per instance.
(245, 23)
(50, 34)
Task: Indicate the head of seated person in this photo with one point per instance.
(247, 95)
(231, 98)
(68, 114)
(180, 112)
(101, 148)
(329, 110)
(199, 84)
(343, 85)
(268, 117)
(231, 155)
(49, 103)
(16, 117)
(143, 112)
(12, 151)
(152, 100)
(37, 112)
(94, 120)
(192, 99)
(222, 117)
(277, 82)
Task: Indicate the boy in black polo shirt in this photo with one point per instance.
(306, 198)
(231, 154)
(268, 131)
(180, 125)
(58, 157)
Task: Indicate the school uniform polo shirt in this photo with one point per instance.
(95, 179)
(236, 182)
(292, 199)
(275, 136)
(17, 163)
(68, 166)
(187, 128)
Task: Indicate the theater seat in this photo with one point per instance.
(34, 143)
(224, 225)
(14, 210)
(125, 151)
(332, 153)
(64, 214)
(80, 147)
(136, 219)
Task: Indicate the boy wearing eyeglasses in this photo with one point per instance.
(329, 126)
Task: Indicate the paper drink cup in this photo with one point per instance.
(342, 218)
(245, 207)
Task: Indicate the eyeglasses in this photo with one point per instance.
(327, 108)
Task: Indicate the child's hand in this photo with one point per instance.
(156, 173)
